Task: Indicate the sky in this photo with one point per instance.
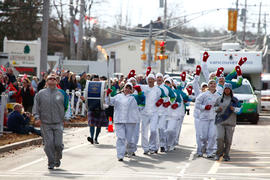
(143, 11)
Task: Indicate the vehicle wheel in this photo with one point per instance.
(255, 119)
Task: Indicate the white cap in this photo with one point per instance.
(166, 76)
(150, 76)
(132, 79)
(168, 80)
(204, 84)
(128, 84)
(159, 75)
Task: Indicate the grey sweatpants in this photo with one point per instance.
(224, 139)
(53, 141)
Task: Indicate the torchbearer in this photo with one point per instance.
(126, 116)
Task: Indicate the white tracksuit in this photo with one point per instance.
(162, 123)
(196, 113)
(174, 122)
(126, 115)
(149, 116)
(207, 122)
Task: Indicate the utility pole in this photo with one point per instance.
(235, 33)
(162, 63)
(72, 18)
(80, 39)
(150, 45)
(259, 21)
(44, 36)
(244, 24)
(265, 23)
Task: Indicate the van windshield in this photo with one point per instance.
(244, 89)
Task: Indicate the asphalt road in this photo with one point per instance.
(250, 158)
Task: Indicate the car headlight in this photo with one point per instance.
(252, 100)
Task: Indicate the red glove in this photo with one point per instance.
(208, 107)
(109, 91)
(238, 70)
(205, 56)
(131, 73)
(174, 106)
(159, 102)
(219, 71)
(183, 76)
(242, 61)
(189, 90)
(198, 70)
(148, 71)
(166, 104)
(138, 88)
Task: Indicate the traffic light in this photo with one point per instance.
(143, 45)
(156, 49)
(162, 45)
(143, 57)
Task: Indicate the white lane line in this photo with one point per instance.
(252, 152)
(215, 166)
(246, 162)
(43, 158)
(249, 157)
(246, 167)
(191, 157)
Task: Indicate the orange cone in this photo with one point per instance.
(110, 127)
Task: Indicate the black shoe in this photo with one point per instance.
(96, 142)
(90, 140)
(51, 166)
(162, 149)
(146, 152)
(156, 152)
(152, 152)
(217, 158)
(226, 158)
(120, 160)
(199, 155)
(210, 156)
(133, 154)
(57, 163)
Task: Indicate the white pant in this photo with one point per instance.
(125, 141)
(136, 136)
(207, 136)
(197, 130)
(162, 124)
(178, 129)
(171, 132)
(152, 121)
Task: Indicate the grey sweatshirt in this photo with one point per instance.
(231, 121)
(49, 106)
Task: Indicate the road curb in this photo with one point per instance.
(75, 125)
(21, 144)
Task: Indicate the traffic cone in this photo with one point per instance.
(110, 127)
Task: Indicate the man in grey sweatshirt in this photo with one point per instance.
(49, 110)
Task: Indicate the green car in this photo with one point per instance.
(249, 101)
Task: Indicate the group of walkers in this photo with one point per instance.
(152, 107)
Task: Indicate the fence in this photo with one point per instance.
(4, 98)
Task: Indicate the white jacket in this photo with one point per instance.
(206, 98)
(125, 108)
(152, 95)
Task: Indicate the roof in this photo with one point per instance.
(104, 42)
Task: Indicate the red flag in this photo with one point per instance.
(3, 68)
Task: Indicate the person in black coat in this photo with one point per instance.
(27, 93)
(18, 123)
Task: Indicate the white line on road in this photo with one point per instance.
(43, 158)
(191, 157)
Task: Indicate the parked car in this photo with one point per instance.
(249, 101)
(265, 92)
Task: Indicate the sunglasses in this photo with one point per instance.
(52, 79)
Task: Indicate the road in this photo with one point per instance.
(250, 158)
